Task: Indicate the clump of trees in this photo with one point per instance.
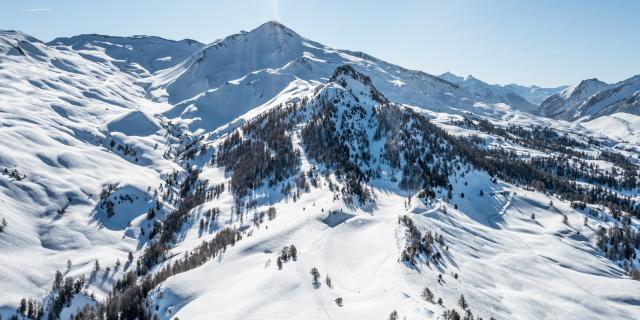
(419, 247)
(264, 152)
(288, 253)
(427, 295)
(620, 243)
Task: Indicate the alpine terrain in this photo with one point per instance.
(268, 176)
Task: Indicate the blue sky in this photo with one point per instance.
(541, 42)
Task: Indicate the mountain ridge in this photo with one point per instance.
(592, 98)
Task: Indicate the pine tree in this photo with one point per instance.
(130, 257)
(271, 213)
(96, 266)
(440, 301)
(565, 219)
(57, 281)
(533, 216)
(22, 309)
(327, 280)
(69, 265)
(315, 274)
(339, 302)
(462, 302)
(394, 315)
(279, 263)
(427, 295)
(293, 252)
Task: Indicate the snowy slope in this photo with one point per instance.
(621, 126)
(508, 266)
(142, 55)
(59, 112)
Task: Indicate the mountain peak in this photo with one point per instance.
(453, 78)
(274, 27)
(584, 88)
(591, 81)
(348, 71)
(346, 74)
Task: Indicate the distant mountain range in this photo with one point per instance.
(520, 97)
(593, 98)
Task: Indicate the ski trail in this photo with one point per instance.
(546, 262)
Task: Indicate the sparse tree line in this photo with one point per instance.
(124, 149)
(621, 243)
(418, 247)
(15, 174)
(571, 161)
(258, 217)
(316, 283)
(62, 292)
(128, 299)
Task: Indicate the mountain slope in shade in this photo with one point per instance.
(142, 55)
(559, 104)
(490, 93)
(623, 96)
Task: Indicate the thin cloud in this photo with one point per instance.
(38, 10)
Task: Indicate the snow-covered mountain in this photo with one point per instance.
(534, 94)
(268, 176)
(561, 103)
(592, 98)
(229, 77)
(525, 98)
(142, 55)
